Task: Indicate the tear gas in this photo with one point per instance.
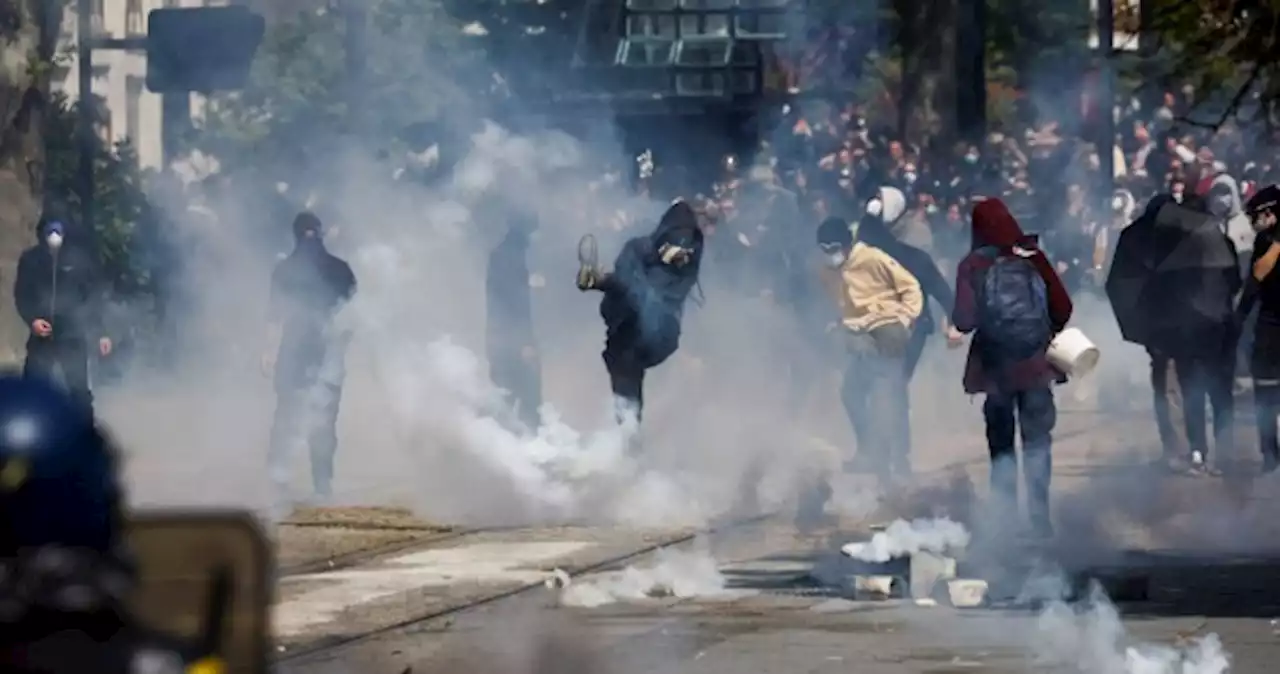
(674, 573)
(904, 538)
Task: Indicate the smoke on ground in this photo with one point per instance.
(673, 573)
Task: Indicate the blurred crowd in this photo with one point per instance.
(830, 158)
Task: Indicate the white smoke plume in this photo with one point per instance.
(1091, 637)
(675, 573)
(903, 538)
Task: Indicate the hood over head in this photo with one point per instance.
(678, 226)
(994, 225)
(888, 204)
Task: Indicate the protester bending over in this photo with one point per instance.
(1009, 296)
(644, 300)
(879, 302)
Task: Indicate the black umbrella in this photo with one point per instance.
(1172, 277)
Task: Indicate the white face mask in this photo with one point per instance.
(835, 260)
(54, 240)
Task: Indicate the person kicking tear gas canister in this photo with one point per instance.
(305, 352)
(644, 299)
(879, 303)
(60, 297)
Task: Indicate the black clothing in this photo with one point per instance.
(108, 645)
(64, 289)
(307, 289)
(644, 300)
(510, 345)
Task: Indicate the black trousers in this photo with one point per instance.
(305, 415)
(1166, 401)
(1203, 378)
(521, 378)
(626, 379)
(63, 361)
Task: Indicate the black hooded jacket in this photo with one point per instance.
(64, 288)
(873, 232)
(644, 298)
(307, 289)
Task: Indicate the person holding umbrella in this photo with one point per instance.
(1173, 285)
(1133, 262)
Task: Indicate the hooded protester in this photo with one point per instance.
(879, 302)
(305, 354)
(1008, 294)
(877, 230)
(889, 205)
(514, 365)
(1225, 203)
(644, 299)
(1263, 290)
(60, 296)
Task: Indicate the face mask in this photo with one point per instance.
(54, 240)
(931, 209)
(971, 159)
(1220, 206)
(835, 260)
(909, 177)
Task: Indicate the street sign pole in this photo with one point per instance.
(84, 120)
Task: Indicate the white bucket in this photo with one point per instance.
(967, 593)
(1073, 353)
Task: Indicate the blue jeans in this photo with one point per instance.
(1033, 415)
(874, 394)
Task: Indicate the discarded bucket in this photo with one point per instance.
(1073, 353)
(967, 593)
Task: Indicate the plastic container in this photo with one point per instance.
(1073, 353)
(967, 593)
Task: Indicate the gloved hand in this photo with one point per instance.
(672, 254)
(891, 340)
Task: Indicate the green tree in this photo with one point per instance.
(1229, 52)
(121, 212)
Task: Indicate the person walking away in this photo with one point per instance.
(514, 364)
(1199, 280)
(305, 352)
(879, 302)
(1263, 290)
(1009, 296)
(60, 296)
(643, 302)
(1136, 254)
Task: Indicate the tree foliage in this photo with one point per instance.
(1227, 50)
(121, 212)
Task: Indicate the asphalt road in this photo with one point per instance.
(773, 615)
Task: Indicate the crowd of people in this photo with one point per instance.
(1001, 236)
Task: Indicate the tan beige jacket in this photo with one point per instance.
(873, 290)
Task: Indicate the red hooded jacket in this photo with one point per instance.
(993, 225)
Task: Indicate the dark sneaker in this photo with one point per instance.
(588, 263)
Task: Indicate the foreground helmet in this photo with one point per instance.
(59, 485)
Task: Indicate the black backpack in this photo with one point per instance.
(1013, 310)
